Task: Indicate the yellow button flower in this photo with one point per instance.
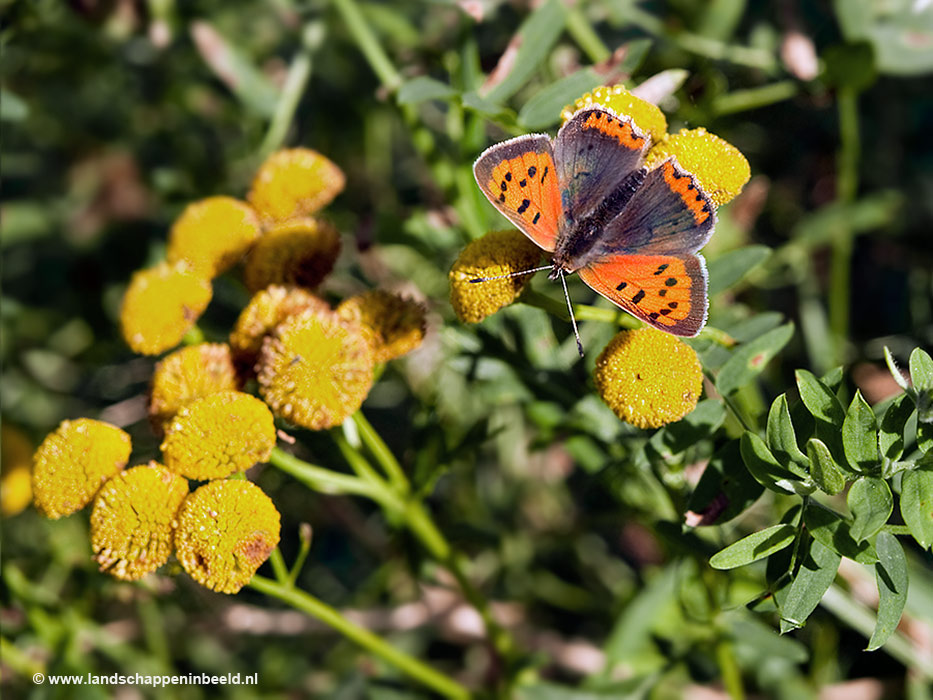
(161, 304)
(15, 476)
(294, 182)
(719, 166)
(648, 378)
(497, 253)
(188, 374)
(72, 463)
(392, 324)
(218, 435)
(646, 116)
(226, 530)
(212, 234)
(299, 252)
(133, 520)
(316, 370)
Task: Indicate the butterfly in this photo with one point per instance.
(632, 234)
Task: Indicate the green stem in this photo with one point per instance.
(582, 312)
(753, 98)
(731, 405)
(586, 38)
(731, 675)
(278, 566)
(357, 462)
(369, 45)
(305, 547)
(323, 480)
(381, 452)
(308, 604)
(896, 529)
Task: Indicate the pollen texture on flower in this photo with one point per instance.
(648, 378)
(646, 116)
(72, 463)
(161, 304)
(15, 470)
(212, 234)
(133, 520)
(294, 182)
(189, 374)
(392, 324)
(719, 166)
(315, 370)
(226, 530)
(218, 435)
(497, 253)
(299, 252)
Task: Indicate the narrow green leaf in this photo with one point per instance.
(755, 546)
(543, 110)
(831, 530)
(860, 436)
(782, 440)
(833, 379)
(632, 629)
(762, 465)
(725, 490)
(891, 434)
(483, 105)
(870, 503)
(921, 375)
(917, 505)
(895, 370)
(423, 88)
(750, 359)
(818, 565)
(819, 399)
(823, 468)
(728, 269)
(891, 576)
(696, 425)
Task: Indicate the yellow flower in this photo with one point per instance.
(265, 311)
(212, 234)
(298, 252)
(226, 530)
(218, 435)
(392, 324)
(188, 374)
(496, 253)
(15, 463)
(72, 463)
(316, 369)
(295, 182)
(646, 116)
(648, 378)
(161, 304)
(719, 166)
(133, 520)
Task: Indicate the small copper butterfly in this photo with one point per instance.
(632, 234)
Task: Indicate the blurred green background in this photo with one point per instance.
(115, 115)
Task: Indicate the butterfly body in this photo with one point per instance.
(631, 233)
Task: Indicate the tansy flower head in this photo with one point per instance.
(212, 234)
(189, 374)
(72, 463)
(15, 478)
(293, 183)
(133, 521)
(392, 324)
(719, 166)
(497, 253)
(265, 311)
(218, 435)
(161, 305)
(646, 116)
(648, 378)
(298, 252)
(226, 530)
(315, 370)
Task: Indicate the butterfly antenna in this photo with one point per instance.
(511, 274)
(573, 321)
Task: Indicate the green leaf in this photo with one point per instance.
(831, 530)
(900, 34)
(895, 370)
(728, 269)
(632, 629)
(823, 468)
(925, 437)
(543, 110)
(700, 423)
(755, 546)
(818, 565)
(724, 491)
(537, 35)
(12, 107)
(819, 399)
(921, 375)
(833, 379)
(870, 503)
(482, 105)
(782, 440)
(423, 88)
(860, 436)
(917, 505)
(891, 577)
(750, 359)
(765, 469)
(850, 66)
(891, 434)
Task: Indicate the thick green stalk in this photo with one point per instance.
(381, 452)
(324, 480)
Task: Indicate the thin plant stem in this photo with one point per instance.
(277, 561)
(753, 98)
(357, 462)
(731, 674)
(324, 480)
(305, 547)
(382, 66)
(439, 682)
(382, 454)
(581, 311)
(731, 405)
(587, 39)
